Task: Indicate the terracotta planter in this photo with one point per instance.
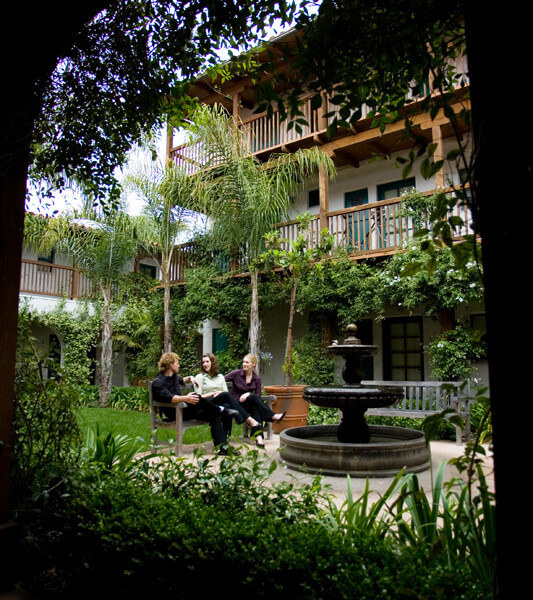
(289, 398)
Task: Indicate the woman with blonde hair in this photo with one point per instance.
(246, 390)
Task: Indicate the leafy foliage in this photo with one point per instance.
(45, 432)
(364, 53)
(111, 453)
(78, 331)
(125, 75)
(312, 363)
(171, 199)
(453, 352)
(226, 516)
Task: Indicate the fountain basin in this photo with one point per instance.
(353, 396)
(316, 449)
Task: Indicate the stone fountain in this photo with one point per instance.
(354, 447)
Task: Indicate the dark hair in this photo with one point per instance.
(215, 369)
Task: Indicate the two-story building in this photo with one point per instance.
(360, 207)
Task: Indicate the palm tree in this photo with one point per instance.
(104, 246)
(248, 198)
(172, 200)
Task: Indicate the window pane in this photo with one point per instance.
(397, 345)
(413, 375)
(396, 330)
(412, 329)
(412, 344)
(413, 360)
(397, 360)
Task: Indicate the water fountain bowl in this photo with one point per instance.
(353, 447)
(315, 449)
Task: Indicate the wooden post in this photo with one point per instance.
(439, 154)
(12, 194)
(236, 109)
(75, 290)
(322, 120)
(323, 194)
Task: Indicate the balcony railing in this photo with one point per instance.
(374, 229)
(266, 132)
(48, 279)
(263, 133)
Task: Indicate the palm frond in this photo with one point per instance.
(248, 198)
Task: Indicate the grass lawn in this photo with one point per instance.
(136, 424)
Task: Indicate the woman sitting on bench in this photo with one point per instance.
(246, 391)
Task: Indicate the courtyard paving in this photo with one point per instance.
(440, 450)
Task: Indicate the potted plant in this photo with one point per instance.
(294, 261)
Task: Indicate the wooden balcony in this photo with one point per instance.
(372, 230)
(48, 279)
(267, 134)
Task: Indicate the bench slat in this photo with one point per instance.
(425, 398)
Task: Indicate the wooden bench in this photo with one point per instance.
(425, 398)
(179, 425)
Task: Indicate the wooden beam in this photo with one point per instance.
(170, 139)
(236, 105)
(423, 121)
(323, 195)
(439, 154)
(349, 158)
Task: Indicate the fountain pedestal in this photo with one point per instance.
(353, 447)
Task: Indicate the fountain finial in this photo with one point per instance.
(351, 330)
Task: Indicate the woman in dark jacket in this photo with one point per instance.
(247, 390)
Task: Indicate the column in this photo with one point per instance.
(323, 193)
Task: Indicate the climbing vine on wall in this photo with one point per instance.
(78, 331)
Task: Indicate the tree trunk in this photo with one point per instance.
(106, 365)
(12, 193)
(254, 332)
(167, 323)
(288, 347)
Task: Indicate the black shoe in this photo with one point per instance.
(225, 452)
(231, 412)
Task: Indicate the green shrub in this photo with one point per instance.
(180, 526)
(45, 431)
(453, 352)
(122, 398)
(312, 364)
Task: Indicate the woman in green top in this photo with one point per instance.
(210, 383)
